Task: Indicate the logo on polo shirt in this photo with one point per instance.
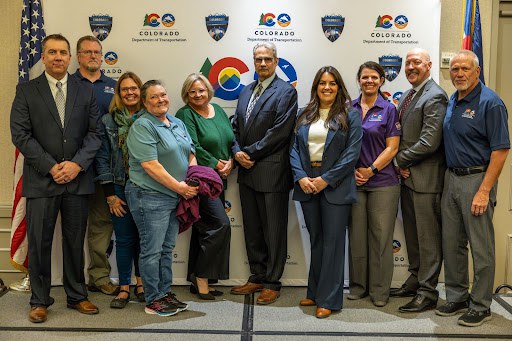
(375, 117)
(469, 114)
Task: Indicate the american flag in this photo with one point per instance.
(29, 66)
(472, 32)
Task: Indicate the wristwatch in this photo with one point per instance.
(374, 169)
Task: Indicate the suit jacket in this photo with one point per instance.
(420, 147)
(341, 152)
(266, 136)
(37, 132)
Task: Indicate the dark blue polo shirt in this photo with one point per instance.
(474, 127)
(104, 88)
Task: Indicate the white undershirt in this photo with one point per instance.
(317, 136)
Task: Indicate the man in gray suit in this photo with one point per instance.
(421, 161)
(54, 125)
(263, 125)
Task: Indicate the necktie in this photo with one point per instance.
(254, 99)
(60, 101)
(407, 101)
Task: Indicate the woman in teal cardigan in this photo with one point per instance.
(210, 130)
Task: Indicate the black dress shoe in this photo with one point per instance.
(418, 304)
(403, 291)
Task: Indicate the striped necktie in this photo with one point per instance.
(407, 101)
(254, 99)
(60, 101)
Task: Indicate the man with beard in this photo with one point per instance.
(99, 233)
(421, 161)
(476, 144)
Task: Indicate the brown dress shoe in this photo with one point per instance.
(246, 289)
(38, 314)
(107, 288)
(322, 313)
(307, 302)
(268, 296)
(85, 307)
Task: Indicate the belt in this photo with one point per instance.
(316, 163)
(468, 171)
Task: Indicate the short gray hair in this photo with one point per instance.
(468, 53)
(269, 46)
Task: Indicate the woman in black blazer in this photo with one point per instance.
(325, 150)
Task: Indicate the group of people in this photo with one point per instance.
(112, 154)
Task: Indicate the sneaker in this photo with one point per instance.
(161, 308)
(451, 308)
(474, 318)
(171, 299)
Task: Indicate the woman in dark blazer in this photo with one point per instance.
(323, 156)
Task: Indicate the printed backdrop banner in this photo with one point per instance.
(169, 40)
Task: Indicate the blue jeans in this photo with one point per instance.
(127, 242)
(155, 216)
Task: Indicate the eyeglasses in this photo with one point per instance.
(197, 92)
(129, 89)
(90, 53)
(266, 59)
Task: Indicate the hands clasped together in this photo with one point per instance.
(312, 185)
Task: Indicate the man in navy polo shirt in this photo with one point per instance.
(99, 233)
(476, 141)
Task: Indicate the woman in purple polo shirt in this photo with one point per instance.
(378, 191)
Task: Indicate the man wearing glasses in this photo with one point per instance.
(99, 233)
(263, 125)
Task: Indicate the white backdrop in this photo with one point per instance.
(169, 40)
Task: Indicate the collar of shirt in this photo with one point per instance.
(379, 102)
(265, 83)
(81, 77)
(469, 97)
(52, 82)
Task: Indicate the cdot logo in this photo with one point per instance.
(396, 246)
(386, 21)
(225, 77)
(111, 58)
(154, 20)
(269, 19)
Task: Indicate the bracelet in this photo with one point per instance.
(112, 202)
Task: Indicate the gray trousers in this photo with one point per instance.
(371, 241)
(459, 227)
(99, 233)
(421, 214)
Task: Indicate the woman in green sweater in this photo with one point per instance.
(210, 130)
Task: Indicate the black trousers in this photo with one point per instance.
(265, 217)
(208, 255)
(41, 217)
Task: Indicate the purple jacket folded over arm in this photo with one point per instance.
(210, 187)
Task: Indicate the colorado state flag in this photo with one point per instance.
(472, 34)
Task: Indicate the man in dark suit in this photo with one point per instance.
(54, 125)
(263, 125)
(421, 161)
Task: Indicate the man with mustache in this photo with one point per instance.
(99, 233)
(476, 142)
(421, 162)
(263, 125)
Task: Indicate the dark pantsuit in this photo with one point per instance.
(209, 245)
(265, 217)
(327, 225)
(41, 217)
(421, 213)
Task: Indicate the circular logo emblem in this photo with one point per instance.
(225, 77)
(396, 246)
(401, 22)
(284, 20)
(110, 58)
(152, 20)
(168, 20)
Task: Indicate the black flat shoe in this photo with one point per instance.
(213, 292)
(139, 294)
(120, 303)
(194, 290)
